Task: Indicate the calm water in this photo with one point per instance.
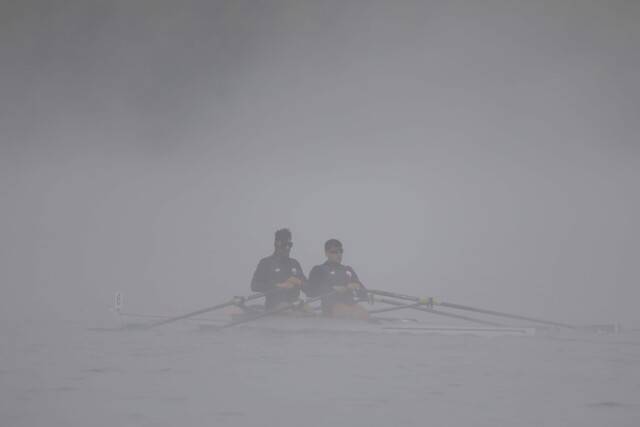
(63, 374)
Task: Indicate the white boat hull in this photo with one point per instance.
(386, 325)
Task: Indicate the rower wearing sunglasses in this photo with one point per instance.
(333, 276)
(280, 271)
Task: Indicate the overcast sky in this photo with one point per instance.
(481, 152)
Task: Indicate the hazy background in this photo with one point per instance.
(482, 152)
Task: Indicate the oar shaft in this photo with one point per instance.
(499, 313)
(234, 301)
(193, 313)
(419, 306)
(296, 304)
(395, 295)
(433, 301)
(395, 308)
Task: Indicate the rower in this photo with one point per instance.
(333, 276)
(280, 271)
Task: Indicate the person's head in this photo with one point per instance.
(333, 250)
(283, 242)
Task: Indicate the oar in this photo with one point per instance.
(400, 306)
(234, 301)
(420, 306)
(430, 302)
(296, 304)
(159, 316)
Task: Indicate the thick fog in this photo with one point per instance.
(480, 152)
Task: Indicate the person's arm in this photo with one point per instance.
(314, 285)
(305, 286)
(361, 291)
(310, 290)
(259, 282)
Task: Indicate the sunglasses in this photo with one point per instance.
(287, 245)
(336, 251)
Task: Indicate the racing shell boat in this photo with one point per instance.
(242, 317)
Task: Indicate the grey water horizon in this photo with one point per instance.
(246, 376)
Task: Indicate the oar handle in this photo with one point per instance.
(295, 304)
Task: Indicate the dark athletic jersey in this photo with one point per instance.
(271, 271)
(324, 277)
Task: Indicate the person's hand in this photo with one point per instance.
(285, 285)
(340, 289)
(353, 287)
(294, 281)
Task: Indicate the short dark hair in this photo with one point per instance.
(331, 244)
(282, 235)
